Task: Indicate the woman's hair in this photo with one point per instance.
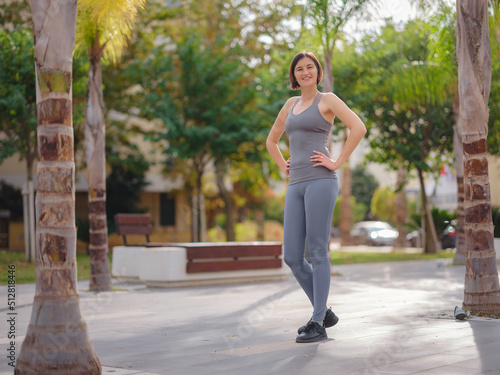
(299, 56)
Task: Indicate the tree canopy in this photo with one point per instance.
(17, 96)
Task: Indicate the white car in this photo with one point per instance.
(378, 233)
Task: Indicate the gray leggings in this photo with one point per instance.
(308, 213)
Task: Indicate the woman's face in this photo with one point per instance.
(306, 72)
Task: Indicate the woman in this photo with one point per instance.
(313, 185)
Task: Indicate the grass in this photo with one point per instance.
(338, 257)
(25, 271)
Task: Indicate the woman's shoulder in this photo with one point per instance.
(328, 96)
(292, 99)
(290, 102)
(331, 100)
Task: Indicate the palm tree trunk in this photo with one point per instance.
(401, 210)
(482, 289)
(198, 209)
(430, 241)
(203, 218)
(346, 207)
(194, 218)
(260, 216)
(460, 253)
(57, 340)
(228, 201)
(328, 71)
(95, 130)
(30, 156)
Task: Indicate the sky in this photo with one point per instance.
(399, 10)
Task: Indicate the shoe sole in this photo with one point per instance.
(460, 316)
(315, 339)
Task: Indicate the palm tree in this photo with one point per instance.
(443, 42)
(429, 82)
(482, 290)
(330, 17)
(460, 253)
(103, 28)
(56, 341)
(401, 208)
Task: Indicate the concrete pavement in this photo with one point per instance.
(395, 318)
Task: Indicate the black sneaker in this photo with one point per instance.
(330, 320)
(313, 332)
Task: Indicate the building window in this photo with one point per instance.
(167, 210)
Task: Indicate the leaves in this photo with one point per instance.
(330, 16)
(17, 95)
(110, 21)
(411, 100)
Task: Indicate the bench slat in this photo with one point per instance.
(233, 265)
(133, 224)
(132, 219)
(233, 252)
(131, 230)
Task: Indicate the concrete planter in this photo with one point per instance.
(166, 267)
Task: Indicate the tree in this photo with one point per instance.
(494, 104)
(358, 211)
(401, 208)
(330, 17)
(460, 254)
(103, 29)
(382, 205)
(15, 14)
(442, 52)
(203, 128)
(411, 108)
(56, 341)
(482, 289)
(17, 97)
(363, 186)
(248, 33)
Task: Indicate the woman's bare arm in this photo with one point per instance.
(275, 135)
(352, 122)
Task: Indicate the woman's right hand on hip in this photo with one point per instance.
(287, 168)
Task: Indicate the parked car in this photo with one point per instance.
(377, 233)
(449, 237)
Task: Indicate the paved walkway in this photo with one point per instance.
(395, 318)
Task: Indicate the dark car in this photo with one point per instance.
(378, 233)
(449, 237)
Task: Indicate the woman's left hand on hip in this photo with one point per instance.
(322, 160)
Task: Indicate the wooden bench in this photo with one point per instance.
(229, 256)
(133, 224)
(206, 256)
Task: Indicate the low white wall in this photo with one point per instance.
(166, 266)
(163, 264)
(126, 261)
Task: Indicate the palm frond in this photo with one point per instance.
(111, 20)
(421, 83)
(330, 16)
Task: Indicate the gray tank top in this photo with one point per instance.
(307, 131)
